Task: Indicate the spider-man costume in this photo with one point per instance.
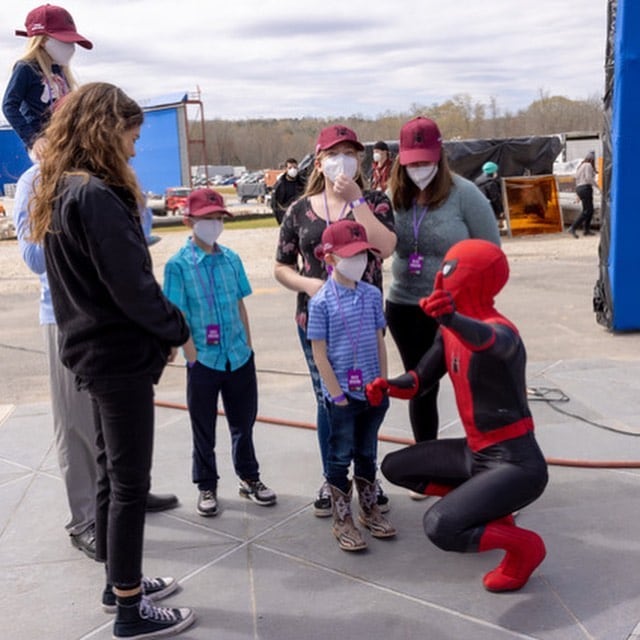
(498, 468)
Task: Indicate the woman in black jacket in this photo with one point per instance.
(117, 330)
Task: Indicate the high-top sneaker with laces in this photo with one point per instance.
(348, 535)
(257, 491)
(207, 504)
(152, 588)
(137, 618)
(370, 515)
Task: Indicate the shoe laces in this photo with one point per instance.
(149, 611)
(152, 584)
(207, 494)
(324, 492)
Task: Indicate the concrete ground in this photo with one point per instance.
(277, 573)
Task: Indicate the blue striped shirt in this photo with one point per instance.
(207, 288)
(355, 319)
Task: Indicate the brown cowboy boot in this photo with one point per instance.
(348, 535)
(370, 515)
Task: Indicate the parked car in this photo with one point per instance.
(175, 199)
(251, 185)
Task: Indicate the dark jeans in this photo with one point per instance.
(239, 390)
(353, 435)
(489, 484)
(123, 412)
(322, 418)
(414, 332)
(585, 193)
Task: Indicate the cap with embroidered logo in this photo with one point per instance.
(335, 134)
(203, 201)
(420, 141)
(53, 21)
(344, 238)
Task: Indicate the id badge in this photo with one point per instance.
(415, 264)
(213, 334)
(354, 380)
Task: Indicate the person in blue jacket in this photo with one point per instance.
(42, 75)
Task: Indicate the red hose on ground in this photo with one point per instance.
(557, 462)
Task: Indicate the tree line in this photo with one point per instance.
(267, 143)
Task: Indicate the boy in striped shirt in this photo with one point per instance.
(346, 323)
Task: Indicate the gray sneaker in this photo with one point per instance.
(207, 503)
(257, 492)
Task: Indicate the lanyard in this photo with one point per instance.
(354, 343)
(326, 209)
(417, 222)
(208, 290)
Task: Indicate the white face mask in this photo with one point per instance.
(60, 52)
(208, 230)
(292, 172)
(333, 166)
(352, 268)
(377, 157)
(422, 176)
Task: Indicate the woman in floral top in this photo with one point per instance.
(334, 191)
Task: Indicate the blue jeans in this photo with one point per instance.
(322, 419)
(239, 390)
(353, 435)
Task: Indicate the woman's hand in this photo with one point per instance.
(346, 188)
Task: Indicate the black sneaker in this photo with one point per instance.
(152, 588)
(207, 503)
(257, 491)
(85, 541)
(383, 499)
(322, 504)
(144, 620)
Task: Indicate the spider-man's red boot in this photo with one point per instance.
(524, 552)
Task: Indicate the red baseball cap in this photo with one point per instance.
(335, 134)
(56, 22)
(420, 141)
(345, 238)
(203, 201)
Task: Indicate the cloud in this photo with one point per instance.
(279, 58)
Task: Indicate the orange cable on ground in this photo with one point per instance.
(557, 462)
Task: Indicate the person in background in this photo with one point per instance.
(586, 181)
(287, 189)
(207, 282)
(433, 209)
(489, 183)
(334, 191)
(346, 323)
(497, 468)
(73, 424)
(116, 330)
(42, 76)
(381, 167)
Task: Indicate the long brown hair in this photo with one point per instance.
(85, 137)
(404, 191)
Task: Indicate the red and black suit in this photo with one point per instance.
(498, 467)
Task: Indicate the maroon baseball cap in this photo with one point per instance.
(203, 201)
(345, 238)
(335, 134)
(56, 22)
(420, 141)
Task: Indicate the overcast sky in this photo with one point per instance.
(330, 58)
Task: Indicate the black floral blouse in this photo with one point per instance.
(300, 233)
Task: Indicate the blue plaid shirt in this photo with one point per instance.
(356, 318)
(207, 288)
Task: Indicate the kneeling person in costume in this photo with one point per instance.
(346, 322)
(498, 468)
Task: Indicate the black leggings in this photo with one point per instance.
(489, 484)
(585, 193)
(414, 332)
